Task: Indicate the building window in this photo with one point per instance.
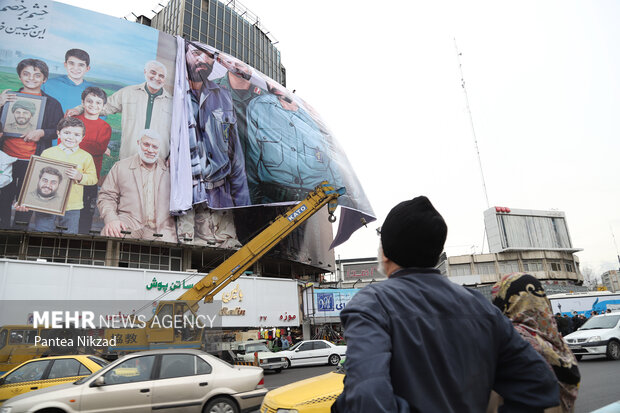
(151, 257)
(9, 246)
(531, 266)
(508, 267)
(485, 268)
(555, 266)
(68, 251)
(460, 269)
(569, 267)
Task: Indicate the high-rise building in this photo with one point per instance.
(611, 280)
(229, 27)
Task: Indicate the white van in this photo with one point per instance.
(600, 335)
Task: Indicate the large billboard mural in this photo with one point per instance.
(153, 137)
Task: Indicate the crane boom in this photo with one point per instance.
(240, 261)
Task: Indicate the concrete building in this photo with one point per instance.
(227, 26)
(233, 29)
(611, 280)
(356, 273)
(520, 240)
(558, 271)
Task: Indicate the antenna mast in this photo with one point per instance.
(471, 121)
(473, 132)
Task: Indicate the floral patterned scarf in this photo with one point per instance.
(522, 299)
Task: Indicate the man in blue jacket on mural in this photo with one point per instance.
(418, 342)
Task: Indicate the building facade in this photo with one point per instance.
(150, 255)
(229, 27)
(557, 271)
(611, 280)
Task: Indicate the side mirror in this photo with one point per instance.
(2, 380)
(99, 381)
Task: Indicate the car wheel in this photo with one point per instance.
(288, 364)
(613, 350)
(578, 356)
(333, 360)
(221, 405)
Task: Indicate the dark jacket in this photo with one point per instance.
(440, 348)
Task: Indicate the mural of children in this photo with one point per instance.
(70, 134)
(33, 73)
(67, 89)
(96, 138)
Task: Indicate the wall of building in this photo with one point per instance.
(247, 302)
(544, 265)
(611, 280)
(523, 229)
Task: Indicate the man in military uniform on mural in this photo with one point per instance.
(238, 80)
(287, 155)
(216, 157)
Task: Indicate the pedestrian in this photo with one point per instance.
(285, 343)
(575, 321)
(522, 299)
(563, 324)
(419, 342)
(568, 324)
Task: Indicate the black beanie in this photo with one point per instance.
(413, 234)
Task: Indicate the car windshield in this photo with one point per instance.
(83, 379)
(609, 321)
(296, 345)
(98, 360)
(256, 347)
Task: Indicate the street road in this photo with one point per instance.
(599, 381)
(275, 380)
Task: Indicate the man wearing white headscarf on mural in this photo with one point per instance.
(286, 153)
(218, 169)
(144, 106)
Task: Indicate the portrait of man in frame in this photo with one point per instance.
(23, 115)
(46, 186)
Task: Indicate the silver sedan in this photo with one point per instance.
(174, 381)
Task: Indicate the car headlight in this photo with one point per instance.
(593, 338)
(287, 411)
(282, 359)
(5, 410)
(261, 361)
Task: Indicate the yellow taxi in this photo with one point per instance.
(45, 372)
(313, 395)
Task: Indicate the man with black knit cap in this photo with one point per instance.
(419, 343)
